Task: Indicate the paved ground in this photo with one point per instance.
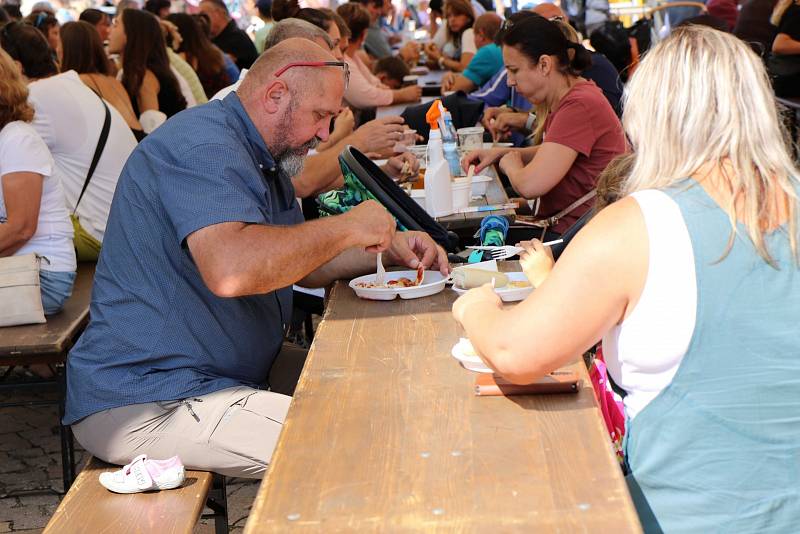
(30, 463)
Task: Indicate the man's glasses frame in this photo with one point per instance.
(340, 64)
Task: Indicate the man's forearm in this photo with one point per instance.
(462, 83)
(352, 262)
(247, 259)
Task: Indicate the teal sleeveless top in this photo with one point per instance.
(718, 450)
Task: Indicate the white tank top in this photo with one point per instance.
(645, 350)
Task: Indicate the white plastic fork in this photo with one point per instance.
(379, 278)
(507, 251)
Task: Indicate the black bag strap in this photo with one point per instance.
(98, 151)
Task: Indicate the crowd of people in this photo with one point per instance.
(176, 150)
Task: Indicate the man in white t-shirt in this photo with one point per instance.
(69, 118)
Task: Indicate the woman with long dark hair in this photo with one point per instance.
(453, 46)
(83, 53)
(204, 57)
(146, 74)
(582, 134)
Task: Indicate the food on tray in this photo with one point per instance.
(468, 278)
(519, 284)
(399, 282)
(467, 349)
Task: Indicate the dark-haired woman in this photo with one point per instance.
(453, 46)
(100, 21)
(204, 24)
(83, 53)
(581, 134)
(203, 56)
(146, 74)
(48, 25)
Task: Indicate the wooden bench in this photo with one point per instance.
(88, 507)
(49, 343)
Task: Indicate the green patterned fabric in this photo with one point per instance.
(351, 195)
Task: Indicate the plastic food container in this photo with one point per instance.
(462, 193)
(432, 283)
(470, 138)
(509, 293)
(480, 184)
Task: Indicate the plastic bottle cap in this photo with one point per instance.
(433, 114)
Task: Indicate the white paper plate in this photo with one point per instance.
(507, 294)
(462, 352)
(432, 283)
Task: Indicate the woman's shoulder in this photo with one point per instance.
(21, 148)
(19, 131)
(150, 81)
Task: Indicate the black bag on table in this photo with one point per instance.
(360, 169)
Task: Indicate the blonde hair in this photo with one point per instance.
(13, 93)
(702, 97)
(780, 9)
(611, 182)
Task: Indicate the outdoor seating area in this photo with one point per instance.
(399, 266)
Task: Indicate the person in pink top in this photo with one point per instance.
(582, 134)
(365, 90)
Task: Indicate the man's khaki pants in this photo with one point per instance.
(232, 431)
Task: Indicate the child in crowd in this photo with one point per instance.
(391, 71)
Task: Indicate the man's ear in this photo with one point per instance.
(382, 76)
(276, 96)
(19, 67)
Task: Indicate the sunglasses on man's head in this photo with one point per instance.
(341, 64)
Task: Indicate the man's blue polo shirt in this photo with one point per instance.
(157, 332)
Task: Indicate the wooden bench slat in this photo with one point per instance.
(90, 508)
(46, 343)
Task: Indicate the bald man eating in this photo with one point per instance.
(192, 292)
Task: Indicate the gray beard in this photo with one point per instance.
(291, 160)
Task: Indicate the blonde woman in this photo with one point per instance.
(33, 213)
(785, 60)
(699, 320)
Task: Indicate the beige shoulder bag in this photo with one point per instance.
(20, 294)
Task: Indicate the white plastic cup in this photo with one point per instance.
(462, 193)
(470, 138)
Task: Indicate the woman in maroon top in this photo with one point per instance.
(581, 135)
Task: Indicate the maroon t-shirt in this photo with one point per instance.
(584, 121)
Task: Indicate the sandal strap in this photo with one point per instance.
(140, 474)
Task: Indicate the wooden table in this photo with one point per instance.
(384, 434)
